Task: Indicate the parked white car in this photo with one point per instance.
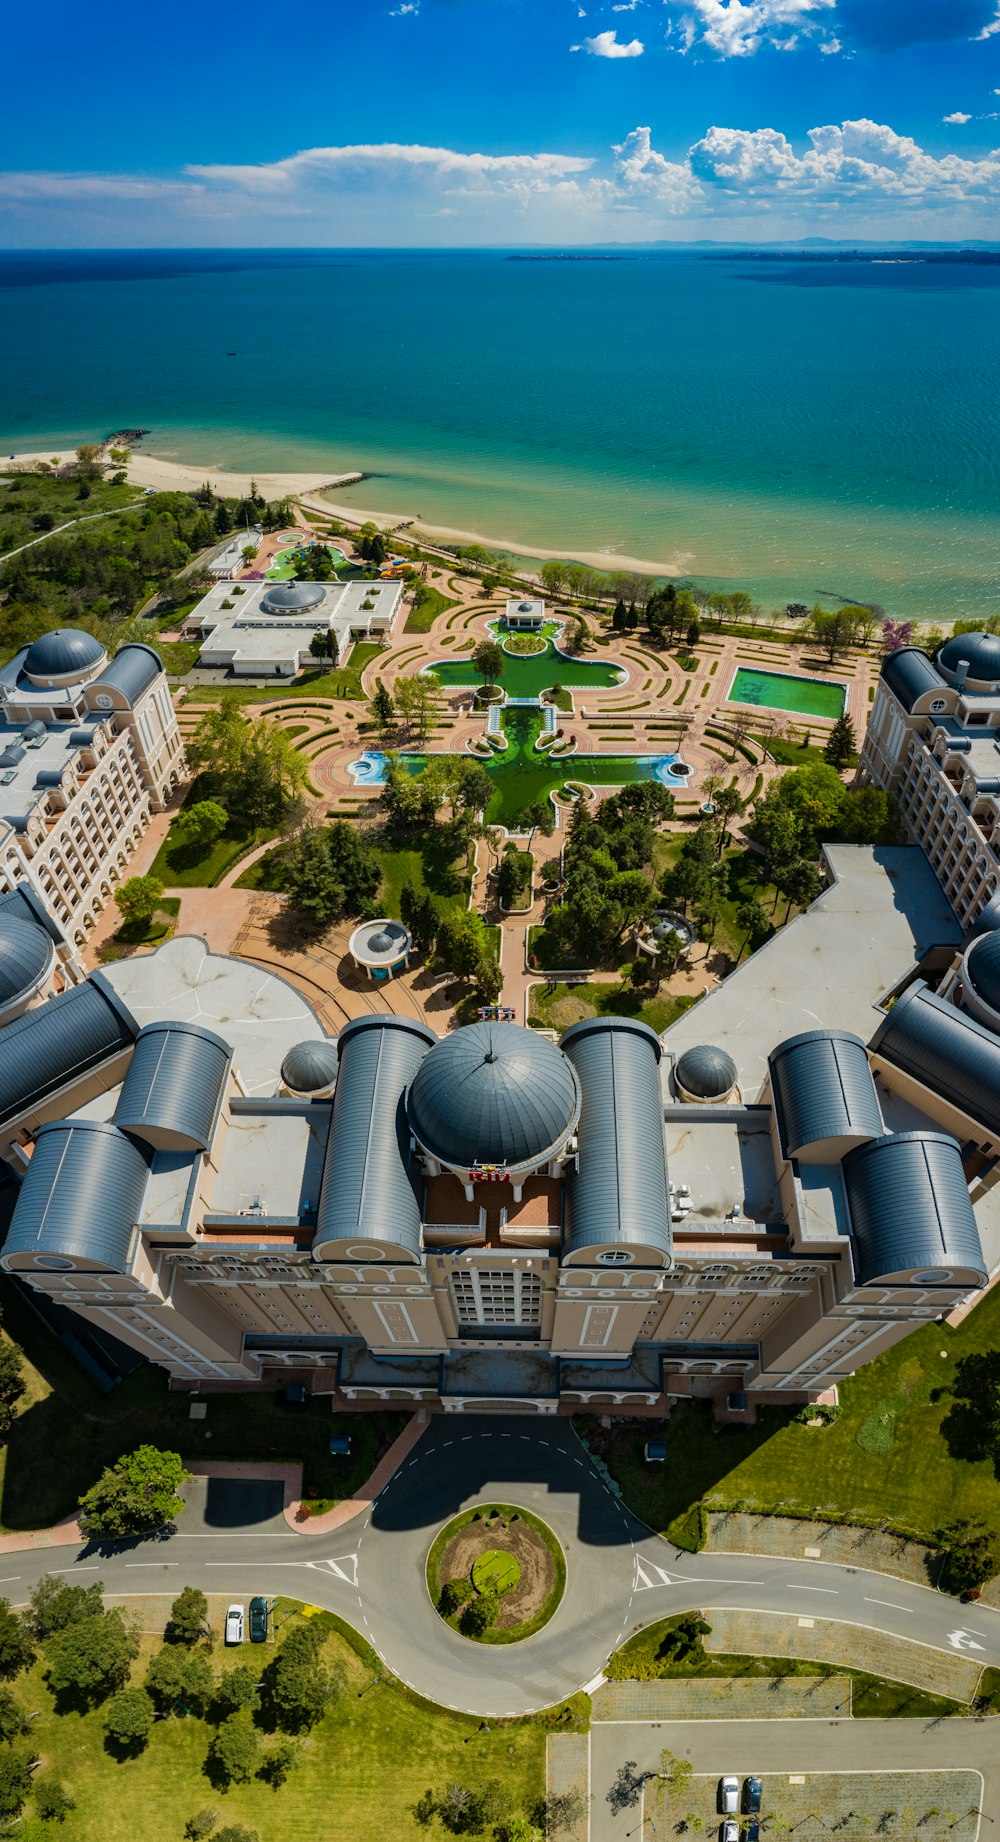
(730, 1832)
(236, 1619)
(729, 1796)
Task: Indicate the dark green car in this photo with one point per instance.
(258, 1621)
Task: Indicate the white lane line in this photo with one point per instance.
(9, 1578)
(74, 1570)
(791, 1587)
(891, 1603)
(152, 1563)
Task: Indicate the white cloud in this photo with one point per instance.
(738, 28)
(24, 187)
(641, 172)
(407, 6)
(354, 166)
(843, 163)
(958, 117)
(606, 45)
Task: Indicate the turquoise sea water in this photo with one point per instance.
(804, 429)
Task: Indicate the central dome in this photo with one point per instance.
(706, 1072)
(293, 597)
(493, 1093)
(66, 652)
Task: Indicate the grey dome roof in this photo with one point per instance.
(25, 954)
(311, 1066)
(293, 597)
(381, 942)
(62, 652)
(705, 1071)
(980, 650)
(493, 1093)
(982, 969)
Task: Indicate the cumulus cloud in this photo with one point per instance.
(407, 6)
(738, 28)
(843, 162)
(957, 116)
(640, 172)
(607, 45)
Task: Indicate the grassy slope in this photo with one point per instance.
(344, 682)
(422, 618)
(63, 1412)
(917, 1486)
(359, 1775)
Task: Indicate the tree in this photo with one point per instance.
(419, 701)
(481, 1614)
(237, 1689)
(514, 878)
(330, 871)
(419, 913)
(13, 1720)
(179, 1678)
(201, 1824)
(833, 628)
(753, 924)
(728, 803)
(257, 768)
(234, 1754)
(139, 1492)
(298, 1687)
(799, 883)
(188, 1621)
(17, 1762)
(52, 1801)
(693, 634)
(842, 747)
(488, 661)
(128, 1719)
(278, 1763)
(54, 1604)
(895, 635)
(236, 1832)
(519, 1829)
(91, 1658)
(677, 1772)
(137, 898)
(383, 710)
(198, 827)
(17, 1649)
(619, 618)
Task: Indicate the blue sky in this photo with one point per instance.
(429, 122)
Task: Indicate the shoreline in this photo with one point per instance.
(146, 469)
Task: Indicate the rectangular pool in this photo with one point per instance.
(782, 691)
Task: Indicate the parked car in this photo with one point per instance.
(751, 1796)
(258, 1621)
(729, 1796)
(751, 1831)
(234, 1624)
(730, 1831)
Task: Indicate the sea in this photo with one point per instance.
(806, 428)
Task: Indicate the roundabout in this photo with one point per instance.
(496, 1574)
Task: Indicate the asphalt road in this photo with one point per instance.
(620, 1576)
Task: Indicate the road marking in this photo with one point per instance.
(791, 1587)
(893, 1607)
(74, 1570)
(963, 1640)
(345, 1567)
(9, 1578)
(152, 1563)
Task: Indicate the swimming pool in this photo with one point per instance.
(529, 676)
(783, 691)
(521, 775)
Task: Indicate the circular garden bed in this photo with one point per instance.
(524, 645)
(496, 1573)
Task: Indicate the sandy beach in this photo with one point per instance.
(318, 492)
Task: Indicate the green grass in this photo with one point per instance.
(63, 1412)
(430, 866)
(344, 682)
(180, 867)
(495, 1571)
(147, 933)
(431, 604)
(19, 505)
(912, 1482)
(557, 1006)
(359, 1773)
(642, 1659)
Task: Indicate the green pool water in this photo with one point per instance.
(528, 677)
(520, 775)
(780, 691)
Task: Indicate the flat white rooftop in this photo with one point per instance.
(248, 634)
(829, 968)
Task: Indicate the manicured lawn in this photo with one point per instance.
(344, 682)
(888, 1459)
(430, 867)
(557, 1006)
(421, 619)
(63, 1412)
(178, 866)
(151, 933)
(358, 1776)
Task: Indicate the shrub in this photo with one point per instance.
(52, 1802)
(816, 1411)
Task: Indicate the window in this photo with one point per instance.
(616, 1256)
(497, 1295)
